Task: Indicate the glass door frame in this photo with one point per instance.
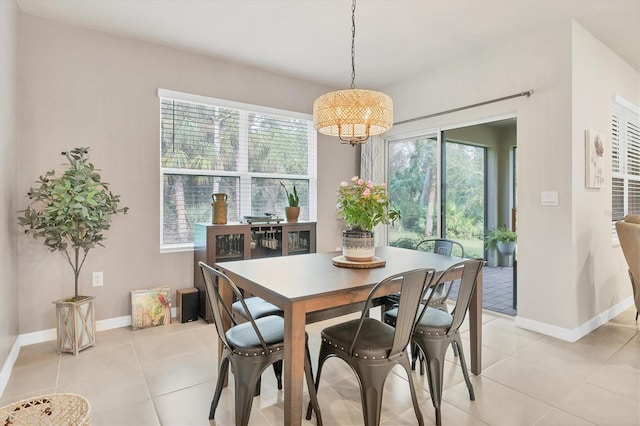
(414, 130)
(443, 177)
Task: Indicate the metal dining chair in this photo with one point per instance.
(249, 347)
(444, 247)
(372, 348)
(435, 330)
(440, 292)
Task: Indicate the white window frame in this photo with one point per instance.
(243, 165)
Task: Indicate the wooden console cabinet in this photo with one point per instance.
(239, 241)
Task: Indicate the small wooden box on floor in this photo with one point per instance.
(187, 305)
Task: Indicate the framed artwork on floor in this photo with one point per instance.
(150, 307)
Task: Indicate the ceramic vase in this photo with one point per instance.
(292, 213)
(358, 246)
(219, 208)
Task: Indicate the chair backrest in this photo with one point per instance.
(629, 236)
(470, 270)
(413, 286)
(214, 281)
(441, 246)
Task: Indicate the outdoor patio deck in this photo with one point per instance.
(497, 289)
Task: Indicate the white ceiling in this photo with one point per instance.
(311, 39)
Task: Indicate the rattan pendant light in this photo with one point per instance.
(355, 114)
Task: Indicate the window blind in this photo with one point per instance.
(210, 146)
(625, 161)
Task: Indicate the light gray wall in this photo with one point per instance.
(599, 270)
(8, 178)
(86, 88)
(559, 288)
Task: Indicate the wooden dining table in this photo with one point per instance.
(308, 287)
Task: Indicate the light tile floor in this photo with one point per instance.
(166, 375)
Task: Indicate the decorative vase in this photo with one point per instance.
(506, 248)
(219, 208)
(358, 246)
(292, 213)
(76, 324)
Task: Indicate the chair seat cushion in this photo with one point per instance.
(258, 307)
(243, 338)
(434, 320)
(374, 342)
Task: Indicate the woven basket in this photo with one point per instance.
(54, 409)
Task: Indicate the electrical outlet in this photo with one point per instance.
(97, 279)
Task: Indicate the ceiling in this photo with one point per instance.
(311, 39)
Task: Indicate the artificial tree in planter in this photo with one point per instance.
(70, 214)
(293, 211)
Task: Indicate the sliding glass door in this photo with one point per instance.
(413, 170)
(463, 195)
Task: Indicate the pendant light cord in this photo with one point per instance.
(353, 45)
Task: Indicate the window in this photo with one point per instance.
(210, 146)
(625, 161)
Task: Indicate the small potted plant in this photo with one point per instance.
(363, 205)
(293, 210)
(70, 214)
(502, 239)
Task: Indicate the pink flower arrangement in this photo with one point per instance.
(363, 204)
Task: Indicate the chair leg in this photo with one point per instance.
(637, 313)
(412, 388)
(457, 343)
(422, 363)
(246, 376)
(434, 352)
(277, 369)
(313, 397)
(414, 355)
(371, 389)
(321, 359)
(222, 372)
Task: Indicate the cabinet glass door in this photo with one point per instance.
(229, 247)
(266, 241)
(298, 241)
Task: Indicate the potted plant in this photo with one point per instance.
(502, 239)
(293, 210)
(363, 205)
(70, 213)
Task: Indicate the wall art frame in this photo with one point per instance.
(594, 159)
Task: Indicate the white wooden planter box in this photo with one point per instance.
(76, 324)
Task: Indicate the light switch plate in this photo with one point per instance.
(549, 198)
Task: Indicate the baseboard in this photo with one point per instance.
(572, 335)
(49, 335)
(101, 325)
(5, 373)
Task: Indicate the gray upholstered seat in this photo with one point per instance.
(258, 308)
